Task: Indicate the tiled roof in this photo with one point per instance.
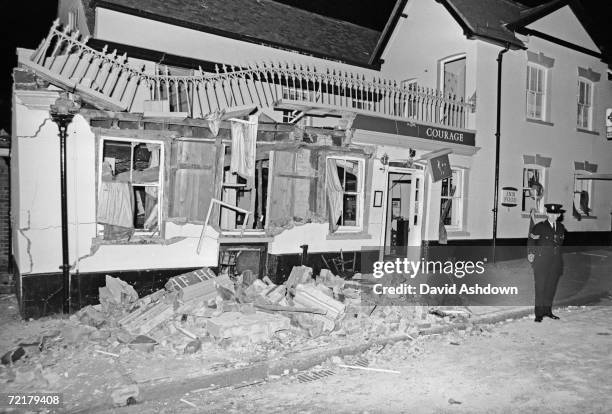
(262, 21)
(487, 21)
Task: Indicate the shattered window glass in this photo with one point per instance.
(129, 187)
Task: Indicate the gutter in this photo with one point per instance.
(500, 57)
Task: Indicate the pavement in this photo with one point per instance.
(579, 286)
(557, 366)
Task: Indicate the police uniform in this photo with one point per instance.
(545, 240)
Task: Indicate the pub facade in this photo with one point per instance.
(199, 141)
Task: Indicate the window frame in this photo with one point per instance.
(589, 189)
(449, 59)
(458, 206)
(589, 105)
(360, 216)
(543, 93)
(160, 186)
(543, 176)
(232, 183)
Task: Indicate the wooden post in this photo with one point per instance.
(259, 192)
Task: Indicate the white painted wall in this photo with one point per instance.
(419, 41)
(428, 34)
(36, 205)
(561, 141)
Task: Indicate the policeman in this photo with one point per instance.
(544, 254)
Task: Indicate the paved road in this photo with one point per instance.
(519, 366)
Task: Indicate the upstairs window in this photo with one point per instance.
(73, 20)
(452, 80)
(536, 92)
(585, 104)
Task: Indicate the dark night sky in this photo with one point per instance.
(29, 22)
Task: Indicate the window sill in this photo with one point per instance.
(588, 218)
(457, 234)
(539, 121)
(136, 240)
(587, 131)
(537, 215)
(348, 235)
(246, 238)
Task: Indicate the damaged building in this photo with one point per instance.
(202, 138)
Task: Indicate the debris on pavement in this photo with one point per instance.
(188, 403)
(391, 371)
(13, 356)
(117, 293)
(201, 322)
(126, 395)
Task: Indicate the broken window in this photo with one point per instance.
(345, 193)
(130, 186)
(192, 171)
(248, 194)
(173, 95)
(297, 188)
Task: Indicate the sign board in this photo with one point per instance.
(609, 123)
(509, 197)
(413, 129)
(440, 168)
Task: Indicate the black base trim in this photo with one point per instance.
(40, 294)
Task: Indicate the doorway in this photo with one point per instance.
(397, 223)
(403, 211)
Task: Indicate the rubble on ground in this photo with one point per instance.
(217, 320)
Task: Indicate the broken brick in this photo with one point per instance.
(299, 275)
(145, 321)
(200, 284)
(308, 296)
(126, 395)
(258, 326)
(142, 343)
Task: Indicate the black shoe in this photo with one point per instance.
(552, 316)
(538, 319)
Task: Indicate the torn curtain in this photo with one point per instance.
(116, 204)
(334, 194)
(244, 138)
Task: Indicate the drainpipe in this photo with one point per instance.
(500, 57)
(62, 112)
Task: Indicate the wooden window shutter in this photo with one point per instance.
(193, 169)
(296, 188)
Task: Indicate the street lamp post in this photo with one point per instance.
(62, 112)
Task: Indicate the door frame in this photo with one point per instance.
(400, 170)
